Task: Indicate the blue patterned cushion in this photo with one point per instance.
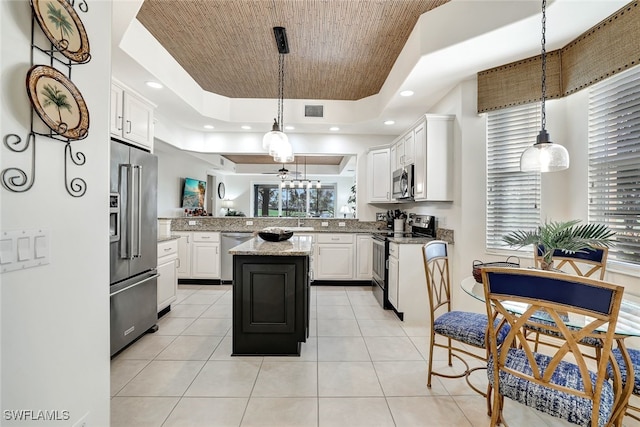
(590, 341)
(635, 362)
(574, 409)
(469, 328)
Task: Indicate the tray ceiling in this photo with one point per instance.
(339, 49)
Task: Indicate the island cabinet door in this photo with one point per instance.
(268, 293)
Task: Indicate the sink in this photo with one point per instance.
(294, 229)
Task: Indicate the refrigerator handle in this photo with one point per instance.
(136, 218)
(125, 184)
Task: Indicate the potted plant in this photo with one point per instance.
(351, 201)
(568, 236)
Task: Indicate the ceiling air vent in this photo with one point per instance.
(314, 110)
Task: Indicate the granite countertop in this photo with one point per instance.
(167, 238)
(410, 240)
(295, 246)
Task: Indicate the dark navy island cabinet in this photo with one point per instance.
(270, 304)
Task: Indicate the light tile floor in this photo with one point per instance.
(360, 367)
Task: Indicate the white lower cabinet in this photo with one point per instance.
(364, 257)
(167, 269)
(408, 284)
(394, 276)
(199, 254)
(334, 256)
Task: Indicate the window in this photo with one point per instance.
(614, 161)
(513, 197)
(314, 202)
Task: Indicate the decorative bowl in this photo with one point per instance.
(477, 266)
(275, 237)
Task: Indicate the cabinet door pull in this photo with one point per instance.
(167, 249)
(129, 123)
(120, 119)
(178, 264)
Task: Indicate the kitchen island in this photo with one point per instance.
(271, 296)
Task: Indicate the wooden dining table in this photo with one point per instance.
(628, 325)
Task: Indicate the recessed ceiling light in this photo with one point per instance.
(289, 128)
(389, 122)
(334, 128)
(245, 127)
(154, 85)
(208, 127)
(406, 93)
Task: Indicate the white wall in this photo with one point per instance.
(55, 318)
(173, 167)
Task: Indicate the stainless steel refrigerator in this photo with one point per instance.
(133, 243)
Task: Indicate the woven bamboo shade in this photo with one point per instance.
(607, 48)
(518, 83)
(610, 47)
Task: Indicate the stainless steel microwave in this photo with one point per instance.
(402, 184)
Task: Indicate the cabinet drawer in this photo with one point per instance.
(206, 237)
(393, 249)
(335, 238)
(168, 247)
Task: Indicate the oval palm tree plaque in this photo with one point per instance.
(63, 27)
(58, 102)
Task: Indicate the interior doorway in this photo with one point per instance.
(211, 195)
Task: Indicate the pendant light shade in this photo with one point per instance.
(544, 155)
(275, 141)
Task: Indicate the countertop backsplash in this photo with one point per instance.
(240, 224)
(247, 224)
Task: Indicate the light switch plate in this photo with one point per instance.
(20, 249)
(324, 223)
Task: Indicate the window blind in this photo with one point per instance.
(513, 197)
(614, 161)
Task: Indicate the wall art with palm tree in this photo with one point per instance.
(63, 27)
(58, 102)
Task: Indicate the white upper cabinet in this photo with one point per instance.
(433, 163)
(405, 150)
(131, 116)
(379, 176)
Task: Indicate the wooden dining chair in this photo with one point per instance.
(592, 262)
(558, 382)
(450, 329)
(631, 410)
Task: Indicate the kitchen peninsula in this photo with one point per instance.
(271, 296)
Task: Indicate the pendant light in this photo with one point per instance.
(300, 183)
(275, 141)
(544, 155)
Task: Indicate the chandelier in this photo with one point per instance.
(544, 155)
(300, 183)
(275, 141)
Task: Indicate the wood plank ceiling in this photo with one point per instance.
(339, 49)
